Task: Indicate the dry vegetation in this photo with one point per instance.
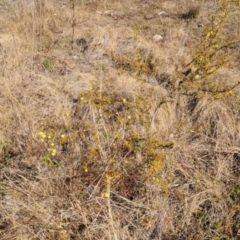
(108, 134)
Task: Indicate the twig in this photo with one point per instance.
(72, 2)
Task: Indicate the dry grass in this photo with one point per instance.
(100, 140)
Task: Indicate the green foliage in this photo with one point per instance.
(235, 193)
(47, 64)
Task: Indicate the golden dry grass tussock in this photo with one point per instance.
(107, 132)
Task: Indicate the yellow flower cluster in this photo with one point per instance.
(42, 135)
(210, 33)
(48, 138)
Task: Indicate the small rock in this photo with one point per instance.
(157, 38)
(26, 131)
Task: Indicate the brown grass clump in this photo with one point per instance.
(106, 134)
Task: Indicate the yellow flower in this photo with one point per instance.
(42, 135)
(105, 194)
(210, 33)
(147, 221)
(52, 144)
(156, 180)
(53, 152)
(124, 100)
(63, 136)
(200, 58)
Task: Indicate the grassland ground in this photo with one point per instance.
(119, 120)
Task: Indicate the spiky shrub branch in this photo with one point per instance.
(213, 52)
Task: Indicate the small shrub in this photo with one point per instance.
(213, 52)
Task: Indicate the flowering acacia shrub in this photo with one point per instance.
(108, 144)
(214, 51)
